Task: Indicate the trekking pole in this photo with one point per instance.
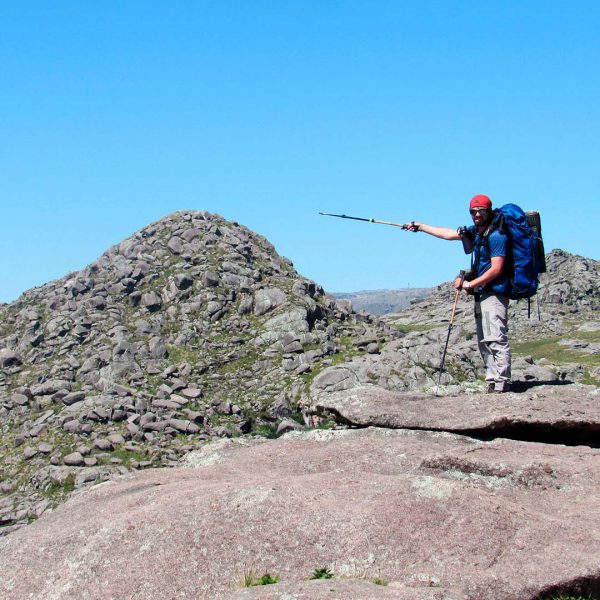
(462, 279)
(402, 225)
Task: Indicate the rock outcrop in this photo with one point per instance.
(555, 339)
(564, 414)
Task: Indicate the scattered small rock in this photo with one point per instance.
(75, 459)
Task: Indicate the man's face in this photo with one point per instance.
(480, 215)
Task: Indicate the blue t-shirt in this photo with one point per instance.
(496, 245)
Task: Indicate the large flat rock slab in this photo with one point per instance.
(448, 515)
(568, 414)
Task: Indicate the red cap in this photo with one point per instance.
(480, 201)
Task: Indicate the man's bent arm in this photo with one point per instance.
(492, 273)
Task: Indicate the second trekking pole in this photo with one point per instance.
(462, 280)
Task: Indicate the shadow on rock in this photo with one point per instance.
(523, 386)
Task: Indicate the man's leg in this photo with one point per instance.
(492, 335)
(486, 352)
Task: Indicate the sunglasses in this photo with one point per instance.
(481, 211)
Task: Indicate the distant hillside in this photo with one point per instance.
(383, 302)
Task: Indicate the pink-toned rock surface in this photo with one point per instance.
(441, 513)
(564, 413)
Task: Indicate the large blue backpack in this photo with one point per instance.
(525, 259)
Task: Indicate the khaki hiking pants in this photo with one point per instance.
(491, 319)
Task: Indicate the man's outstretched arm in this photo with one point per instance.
(444, 233)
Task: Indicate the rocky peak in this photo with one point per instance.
(571, 280)
(179, 283)
(193, 327)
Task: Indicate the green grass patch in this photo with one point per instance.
(59, 491)
(457, 375)
(312, 346)
(588, 336)
(267, 579)
(178, 354)
(309, 376)
(298, 417)
(127, 456)
(250, 579)
(342, 357)
(588, 379)
(321, 574)
(346, 352)
(265, 430)
(410, 327)
(326, 425)
(550, 349)
(234, 366)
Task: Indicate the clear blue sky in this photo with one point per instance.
(115, 114)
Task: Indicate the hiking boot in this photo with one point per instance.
(491, 389)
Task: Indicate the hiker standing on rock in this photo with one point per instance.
(488, 283)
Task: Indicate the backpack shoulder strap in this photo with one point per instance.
(497, 224)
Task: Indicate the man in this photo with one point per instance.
(489, 285)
